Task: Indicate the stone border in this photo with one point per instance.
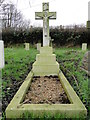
(74, 110)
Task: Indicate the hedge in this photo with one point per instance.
(34, 35)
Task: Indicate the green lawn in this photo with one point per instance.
(70, 61)
(18, 63)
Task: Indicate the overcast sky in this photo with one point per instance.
(69, 12)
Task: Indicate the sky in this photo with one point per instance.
(69, 12)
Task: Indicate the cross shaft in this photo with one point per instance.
(45, 15)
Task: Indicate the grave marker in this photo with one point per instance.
(1, 54)
(84, 46)
(45, 63)
(38, 46)
(45, 15)
(26, 46)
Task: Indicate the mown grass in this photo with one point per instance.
(18, 63)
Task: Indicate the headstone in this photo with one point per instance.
(26, 46)
(38, 46)
(45, 15)
(45, 63)
(84, 46)
(1, 54)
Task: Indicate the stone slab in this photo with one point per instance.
(51, 59)
(74, 110)
(45, 69)
(46, 50)
(45, 63)
(84, 46)
(26, 46)
(38, 46)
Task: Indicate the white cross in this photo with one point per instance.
(45, 15)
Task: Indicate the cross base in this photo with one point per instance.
(45, 63)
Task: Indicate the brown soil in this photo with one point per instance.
(46, 90)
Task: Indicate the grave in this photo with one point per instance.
(26, 46)
(1, 66)
(38, 46)
(84, 46)
(45, 61)
(46, 66)
(1, 54)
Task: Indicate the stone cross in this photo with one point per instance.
(45, 15)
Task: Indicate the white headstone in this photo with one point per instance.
(1, 54)
(26, 46)
(45, 15)
(89, 11)
(84, 46)
(38, 46)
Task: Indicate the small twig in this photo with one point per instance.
(23, 103)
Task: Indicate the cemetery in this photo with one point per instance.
(44, 81)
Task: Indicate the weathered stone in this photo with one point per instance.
(38, 46)
(74, 110)
(45, 15)
(84, 46)
(26, 46)
(1, 54)
(45, 63)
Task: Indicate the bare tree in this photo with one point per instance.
(1, 1)
(11, 17)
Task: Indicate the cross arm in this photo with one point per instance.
(38, 15)
(52, 15)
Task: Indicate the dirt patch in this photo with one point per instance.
(46, 90)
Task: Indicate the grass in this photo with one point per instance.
(18, 63)
(70, 62)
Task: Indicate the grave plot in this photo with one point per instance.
(18, 106)
(60, 100)
(46, 90)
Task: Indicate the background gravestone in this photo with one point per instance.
(1, 66)
(38, 46)
(84, 46)
(1, 54)
(26, 46)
